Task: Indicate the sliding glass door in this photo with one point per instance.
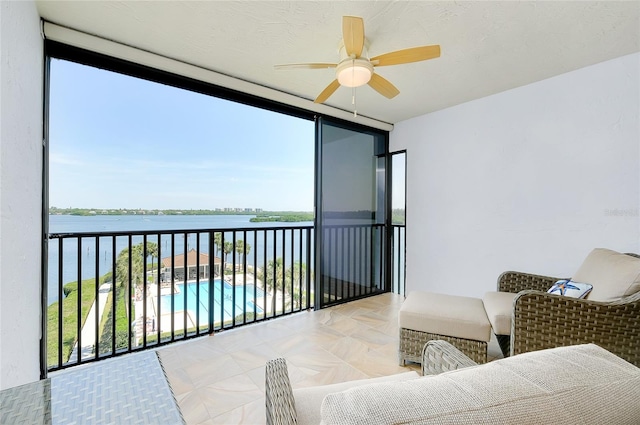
(351, 205)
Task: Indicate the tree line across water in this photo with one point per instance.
(142, 211)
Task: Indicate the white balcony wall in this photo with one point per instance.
(21, 72)
(530, 179)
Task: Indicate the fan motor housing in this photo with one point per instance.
(354, 72)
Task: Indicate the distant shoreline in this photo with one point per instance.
(121, 211)
(282, 217)
(259, 216)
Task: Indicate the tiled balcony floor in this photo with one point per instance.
(219, 379)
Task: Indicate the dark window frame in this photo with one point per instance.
(58, 50)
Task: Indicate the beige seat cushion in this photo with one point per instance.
(450, 315)
(499, 308)
(612, 274)
(308, 400)
(583, 384)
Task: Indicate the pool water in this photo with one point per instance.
(242, 302)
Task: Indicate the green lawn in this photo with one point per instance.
(122, 322)
(69, 319)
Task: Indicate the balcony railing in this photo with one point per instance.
(140, 290)
(352, 262)
(130, 291)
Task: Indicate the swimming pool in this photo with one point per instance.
(242, 302)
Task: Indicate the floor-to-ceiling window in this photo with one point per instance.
(175, 208)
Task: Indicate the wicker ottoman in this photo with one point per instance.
(461, 321)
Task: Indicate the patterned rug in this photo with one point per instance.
(131, 389)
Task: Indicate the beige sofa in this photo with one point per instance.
(568, 385)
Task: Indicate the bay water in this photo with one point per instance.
(88, 251)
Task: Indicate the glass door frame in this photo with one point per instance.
(386, 241)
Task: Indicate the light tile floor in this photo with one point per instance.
(219, 379)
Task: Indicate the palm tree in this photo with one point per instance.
(217, 242)
(122, 267)
(228, 249)
(240, 249)
(136, 273)
(272, 278)
(294, 276)
(152, 251)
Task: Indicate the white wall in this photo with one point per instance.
(530, 179)
(21, 79)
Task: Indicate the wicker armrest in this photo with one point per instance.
(439, 356)
(281, 408)
(516, 281)
(542, 320)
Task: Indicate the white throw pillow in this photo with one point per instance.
(569, 288)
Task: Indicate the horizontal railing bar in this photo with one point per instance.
(216, 230)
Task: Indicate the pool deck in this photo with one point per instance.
(166, 319)
(177, 319)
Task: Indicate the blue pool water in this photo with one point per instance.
(242, 302)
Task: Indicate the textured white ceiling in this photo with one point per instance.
(487, 46)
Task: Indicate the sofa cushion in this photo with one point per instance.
(555, 386)
(499, 308)
(308, 400)
(612, 274)
(451, 315)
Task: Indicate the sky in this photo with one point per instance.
(121, 142)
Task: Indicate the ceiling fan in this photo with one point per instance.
(356, 68)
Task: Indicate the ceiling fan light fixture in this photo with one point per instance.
(355, 68)
(354, 72)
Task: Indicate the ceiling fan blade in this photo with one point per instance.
(353, 35)
(414, 54)
(383, 86)
(328, 91)
(306, 66)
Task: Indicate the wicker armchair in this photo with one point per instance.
(541, 320)
(437, 357)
